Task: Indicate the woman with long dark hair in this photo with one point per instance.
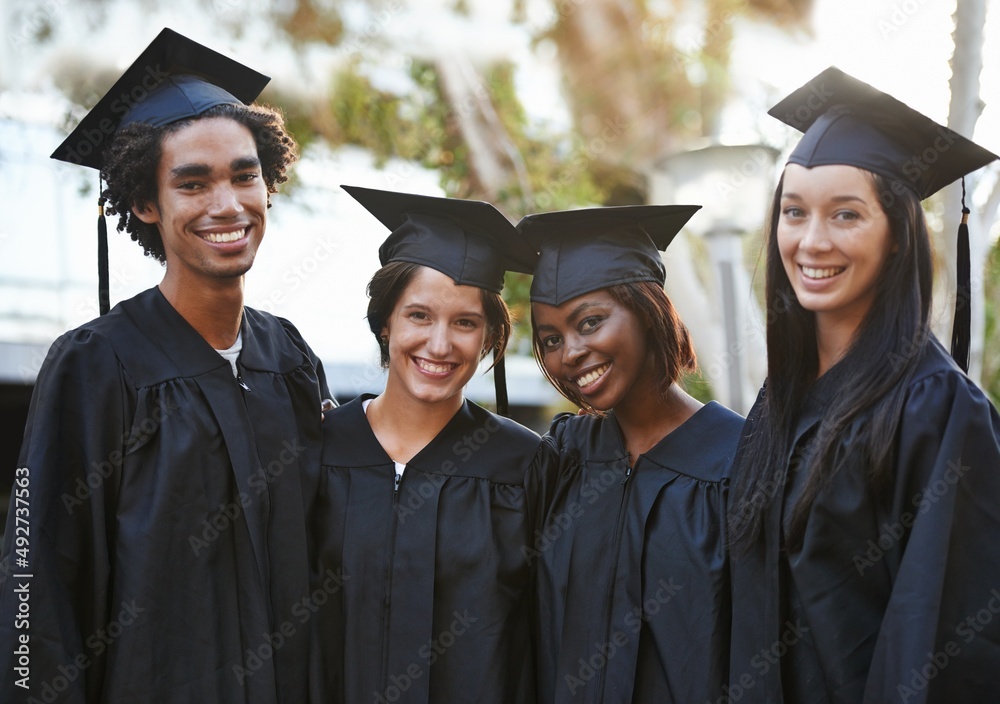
(865, 501)
(427, 499)
(634, 597)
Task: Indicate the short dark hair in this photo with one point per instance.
(388, 284)
(133, 156)
(673, 351)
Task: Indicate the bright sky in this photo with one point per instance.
(321, 247)
(900, 46)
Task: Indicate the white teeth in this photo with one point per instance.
(433, 368)
(226, 236)
(821, 273)
(592, 376)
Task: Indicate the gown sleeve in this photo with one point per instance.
(298, 341)
(543, 477)
(55, 561)
(940, 637)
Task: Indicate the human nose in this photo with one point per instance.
(225, 202)
(439, 340)
(572, 351)
(815, 236)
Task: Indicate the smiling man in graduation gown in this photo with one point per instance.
(156, 544)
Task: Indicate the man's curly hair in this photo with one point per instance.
(133, 156)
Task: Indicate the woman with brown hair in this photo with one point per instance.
(427, 499)
(633, 571)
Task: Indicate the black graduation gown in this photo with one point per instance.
(438, 592)
(163, 511)
(892, 600)
(634, 575)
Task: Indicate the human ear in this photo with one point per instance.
(147, 212)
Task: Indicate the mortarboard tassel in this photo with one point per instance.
(500, 382)
(961, 329)
(103, 285)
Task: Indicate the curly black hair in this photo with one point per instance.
(133, 155)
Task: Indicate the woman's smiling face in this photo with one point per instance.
(834, 239)
(436, 335)
(596, 346)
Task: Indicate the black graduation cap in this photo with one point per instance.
(174, 78)
(847, 121)
(468, 240)
(592, 248)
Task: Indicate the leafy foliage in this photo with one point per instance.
(991, 346)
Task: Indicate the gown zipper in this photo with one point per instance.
(616, 552)
(266, 494)
(387, 601)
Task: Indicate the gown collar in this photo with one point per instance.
(182, 352)
(693, 448)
